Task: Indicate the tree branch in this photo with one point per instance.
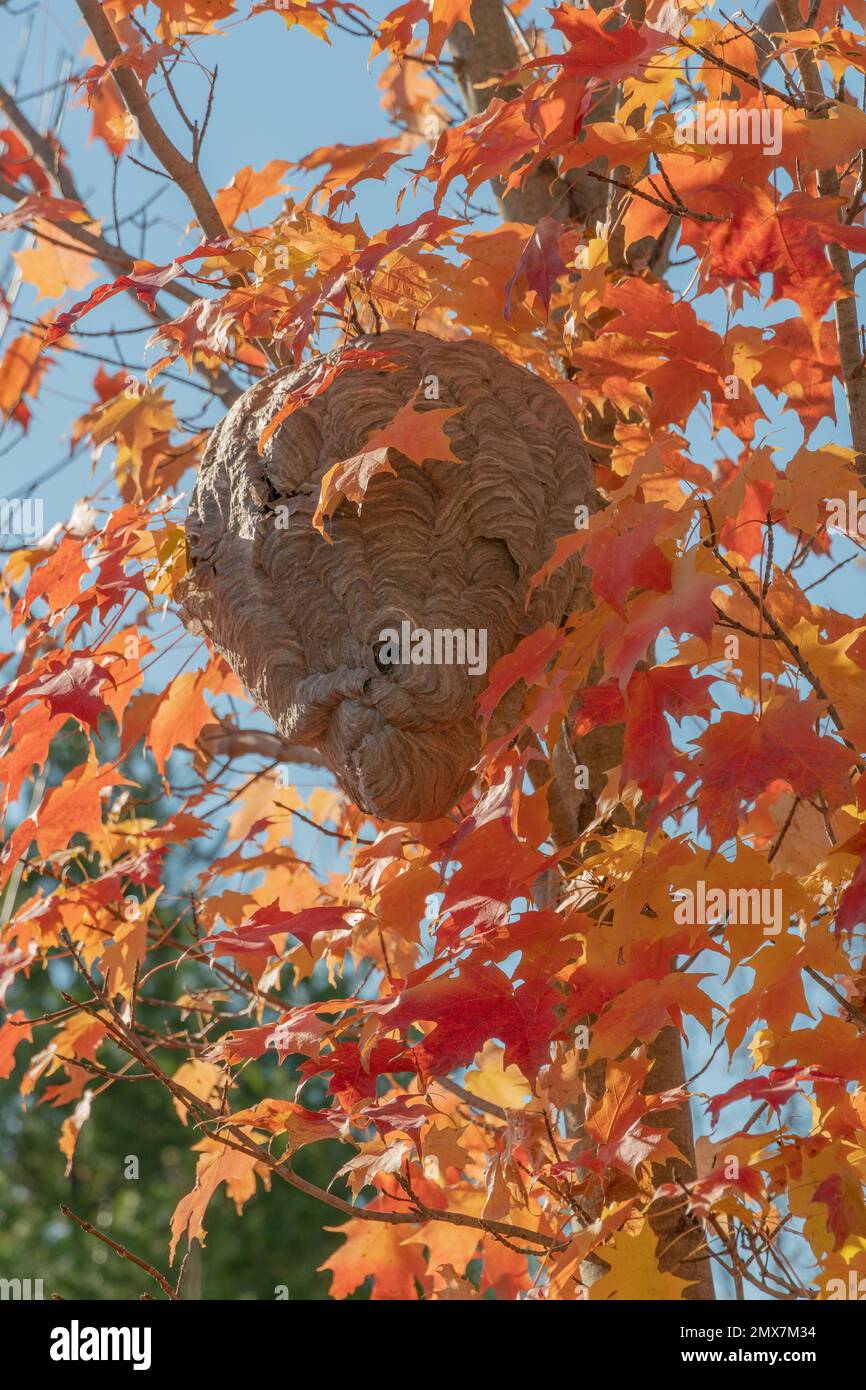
(121, 1251)
(112, 255)
(845, 309)
(120, 1030)
(182, 171)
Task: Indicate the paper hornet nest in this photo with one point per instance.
(445, 547)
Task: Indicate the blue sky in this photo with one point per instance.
(280, 94)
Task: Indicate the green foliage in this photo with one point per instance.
(280, 1240)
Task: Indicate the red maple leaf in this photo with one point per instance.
(70, 687)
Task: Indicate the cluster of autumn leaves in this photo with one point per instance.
(457, 1055)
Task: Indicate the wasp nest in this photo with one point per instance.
(373, 642)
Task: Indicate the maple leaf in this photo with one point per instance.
(353, 1077)
(143, 61)
(740, 756)
(566, 1264)
(145, 282)
(841, 1193)
(597, 52)
(217, 1165)
(527, 662)
(540, 264)
(644, 1008)
(469, 1009)
(79, 1037)
(651, 696)
(249, 188)
(54, 266)
(325, 373)
(418, 435)
(26, 749)
(191, 16)
(201, 1079)
(301, 1030)
(45, 206)
(16, 163)
(615, 1123)
(73, 807)
(623, 553)
(14, 1031)
(121, 960)
(312, 16)
(258, 932)
(349, 165)
(687, 607)
(501, 135)
(180, 713)
(71, 1129)
(758, 235)
(277, 1117)
(493, 1081)
(376, 1161)
(633, 1269)
(68, 687)
(21, 371)
(429, 227)
(598, 705)
(440, 16)
(378, 1250)
(775, 1090)
(705, 1194)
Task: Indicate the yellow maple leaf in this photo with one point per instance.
(488, 1079)
(633, 1270)
(55, 266)
(200, 1078)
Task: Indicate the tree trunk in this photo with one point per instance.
(489, 53)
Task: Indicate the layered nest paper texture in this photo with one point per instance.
(299, 616)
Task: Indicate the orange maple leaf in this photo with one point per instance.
(417, 435)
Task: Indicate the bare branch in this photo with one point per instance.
(121, 1251)
(844, 309)
(184, 172)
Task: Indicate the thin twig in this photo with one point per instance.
(122, 1251)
